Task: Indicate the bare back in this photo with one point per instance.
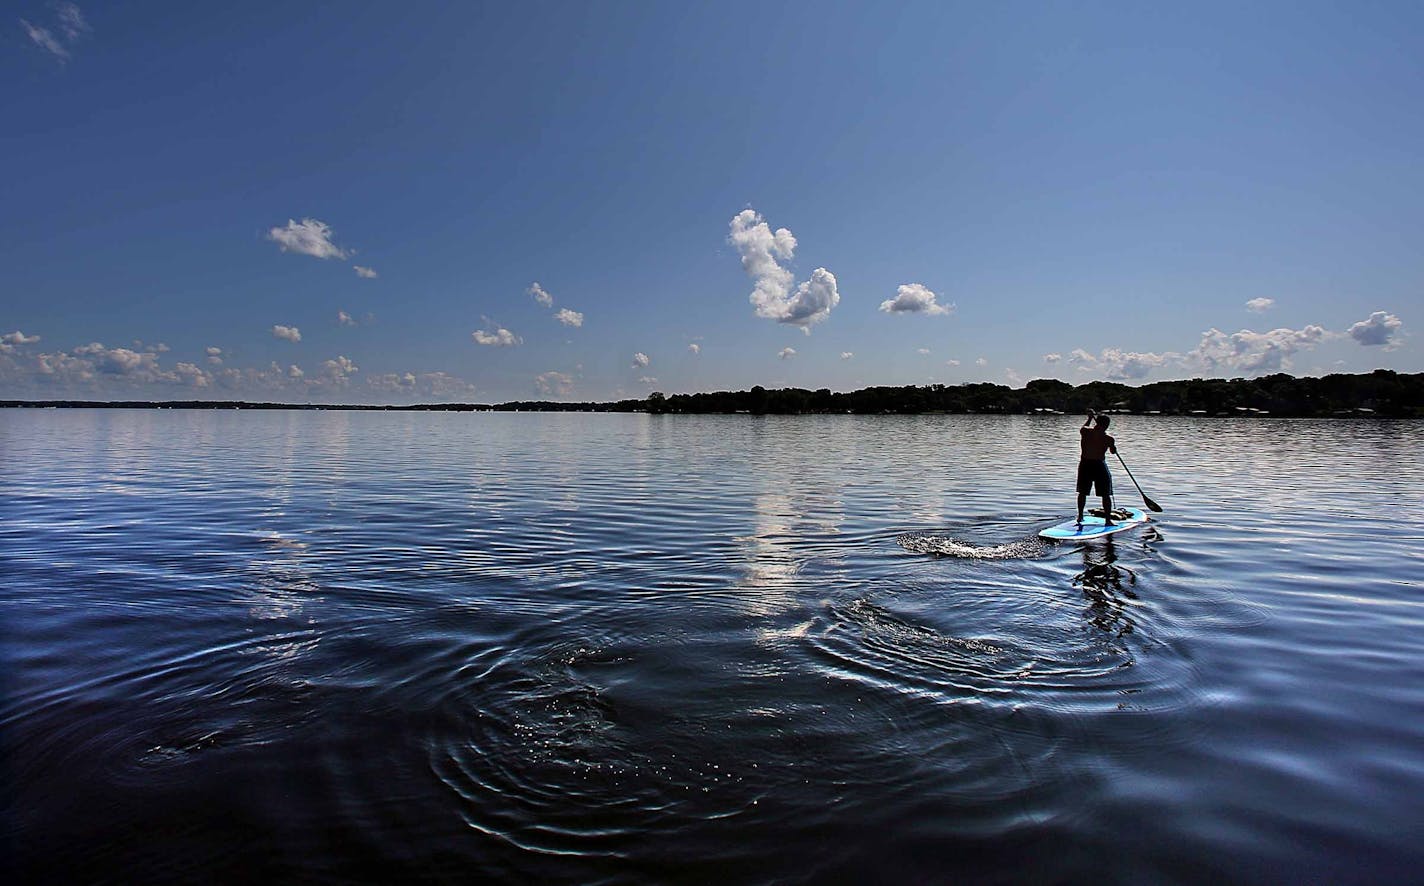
(1097, 443)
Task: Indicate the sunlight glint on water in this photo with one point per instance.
(583, 647)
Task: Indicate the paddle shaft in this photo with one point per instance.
(1152, 505)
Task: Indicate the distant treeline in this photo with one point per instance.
(1381, 393)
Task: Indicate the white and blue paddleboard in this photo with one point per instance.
(1092, 527)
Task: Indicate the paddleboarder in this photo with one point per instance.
(1093, 465)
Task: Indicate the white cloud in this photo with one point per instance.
(71, 20)
(540, 295)
(1052, 358)
(365, 273)
(422, 385)
(71, 24)
(1378, 329)
(294, 371)
(1118, 365)
(192, 375)
(309, 237)
(982, 361)
(94, 366)
(772, 295)
(215, 356)
(914, 298)
(846, 355)
(923, 352)
(648, 380)
(500, 338)
(1013, 377)
(640, 360)
(951, 363)
(1260, 305)
(554, 384)
(568, 317)
(338, 370)
(118, 361)
(787, 353)
(344, 319)
(694, 348)
(42, 38)
(1249, 352)
(18, 338)
(289, 333)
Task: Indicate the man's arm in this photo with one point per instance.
(1089, 420)
(1112, 444)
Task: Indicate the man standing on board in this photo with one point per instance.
(1093, 466)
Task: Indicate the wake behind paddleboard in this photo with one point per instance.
(1092, 526)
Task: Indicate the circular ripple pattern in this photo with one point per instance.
(348, 647)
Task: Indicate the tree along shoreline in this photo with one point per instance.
(1383, 393)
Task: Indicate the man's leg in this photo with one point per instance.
(1107, 511)
(1082, 499)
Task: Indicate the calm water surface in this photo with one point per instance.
(329, 646)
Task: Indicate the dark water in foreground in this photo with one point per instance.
(394, 647)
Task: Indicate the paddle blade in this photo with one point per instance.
(1151, 505)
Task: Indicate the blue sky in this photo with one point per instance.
(975, 192)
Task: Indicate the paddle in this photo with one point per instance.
(1151, 505)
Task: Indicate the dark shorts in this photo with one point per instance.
(1092, 473)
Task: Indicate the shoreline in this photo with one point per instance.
(1379, 394)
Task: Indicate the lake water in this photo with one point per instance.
(323, 646)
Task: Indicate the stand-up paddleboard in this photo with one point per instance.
(1092, 525)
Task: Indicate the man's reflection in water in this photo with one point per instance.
(1107, 587)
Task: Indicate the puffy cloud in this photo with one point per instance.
(1260, 305)
(338, 370)
(640, 360)
(215, 356)
(1013, 377)
(294, 372)
(787, 353)
(554, 384)
(289, 333)
(500, 338)
(694, 348)
(192, 375)
(1248, 351)
(568, 317)
(344, 319)
(1378, 329)
(365, 273)
(1118, 365)
(923, 352)
(309, 237)
(772, 293)
(648, 380)
(951, 363)
(421, 385)
(95, 366)
(914, 298)
(846, 355)
(542, 297)
(119, 361)
(982, 361)
(10, 340)
(250, 381)
(1052, 358)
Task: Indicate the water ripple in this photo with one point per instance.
(647, 648)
